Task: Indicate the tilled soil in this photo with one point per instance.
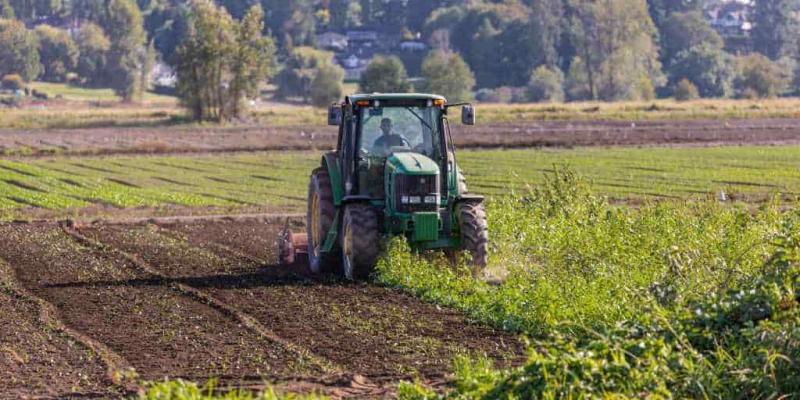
(204, 299)
(164, 140)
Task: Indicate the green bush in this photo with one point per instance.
(385, 75)
(546, 84)
(685, 91)
(758, 76)
(13, 82)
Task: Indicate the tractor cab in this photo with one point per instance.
(394, 172)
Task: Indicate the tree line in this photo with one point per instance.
(501, 50)
(108, 50)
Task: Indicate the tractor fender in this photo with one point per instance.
(356, 199)
(468, 198)
(330, 161)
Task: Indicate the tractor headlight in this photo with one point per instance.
(431, 199)
(415, 200)
(404, 199)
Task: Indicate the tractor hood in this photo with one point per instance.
(413, 164)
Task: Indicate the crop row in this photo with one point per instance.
(278, 180)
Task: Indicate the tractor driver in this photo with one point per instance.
(388, 139)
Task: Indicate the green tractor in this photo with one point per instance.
(393, 172)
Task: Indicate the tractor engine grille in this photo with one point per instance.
(416, 186)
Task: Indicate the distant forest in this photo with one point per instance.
(516, 50)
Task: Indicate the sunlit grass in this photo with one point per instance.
(280, 179)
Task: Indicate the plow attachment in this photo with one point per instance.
(292, 246)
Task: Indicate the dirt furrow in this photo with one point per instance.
(40, 357)
(204, 298)
(376, 332)
(159, 331)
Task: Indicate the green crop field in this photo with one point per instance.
(278, 180)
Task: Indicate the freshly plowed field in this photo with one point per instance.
(94, 310)
(519, 134)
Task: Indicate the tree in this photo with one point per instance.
(253, 59)
(123, 24)
(93, 47)
(660, 10)
(300, 73)
(776, 27)
(546, 84)
(685, 90)
(18, 50)
(614, 40)
(292, 21)
(385, 75)
(57, 51)
(220, 62)
(683, 31)
(6, 10)
(31, 9)
(327, 85)
(758, 76)
(500, 41)
(447, 74)
(707, 67)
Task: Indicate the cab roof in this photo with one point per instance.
(392, 96)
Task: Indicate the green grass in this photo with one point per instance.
(70, 92)
(74, 112)
(279, 179)
(747, 172)
(668, 300)
(182, 390)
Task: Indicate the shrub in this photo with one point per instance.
(385, 75)
(500, 95)
(759, 76)
(685, 90)
(13, 82)
(546, 84)
(447, 74)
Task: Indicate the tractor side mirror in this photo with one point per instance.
(468, 114)
(335, 115)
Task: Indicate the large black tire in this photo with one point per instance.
(319, 219)
(474, 233)
(360, 241)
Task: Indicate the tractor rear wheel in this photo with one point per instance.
(360, 241)
(474, 233)
(319, 219)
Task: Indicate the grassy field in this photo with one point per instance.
(82, 107)
(279, 180)
(668, 300)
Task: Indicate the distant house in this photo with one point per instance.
(353, 66)
(364, 36)
(730, 18)
(332, 41)
(413, 45)
(163, 75)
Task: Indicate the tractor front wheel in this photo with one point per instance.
(360, 241)
(474, 233)
(319, 219)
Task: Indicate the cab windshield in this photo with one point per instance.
(385, 130)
